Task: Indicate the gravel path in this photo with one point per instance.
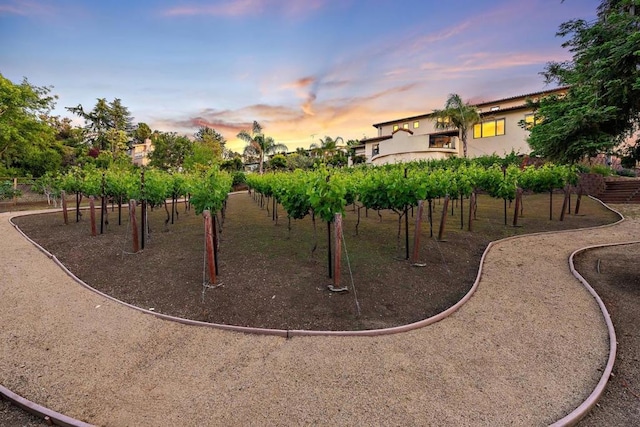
(526, 349)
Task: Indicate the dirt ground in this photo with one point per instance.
(270, 278)
(615, 275)
(490, 222)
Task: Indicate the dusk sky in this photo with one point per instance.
(304, 69)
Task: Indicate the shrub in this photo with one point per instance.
(627, 172)
(238, 178)
(601, 169)
(7, 191)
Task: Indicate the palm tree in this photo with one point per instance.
(457, 115)
(258, 144)
(327, 146)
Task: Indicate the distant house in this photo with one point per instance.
(140, 152)
(416, 138)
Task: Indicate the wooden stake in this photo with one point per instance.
(577, 209)
(134, 225)
(416, 236)
(92, 209)
(337, 253)
(516, 212)
(565, 203)
(65, 212)
(443, 221)
(472, 202)
(208, 238)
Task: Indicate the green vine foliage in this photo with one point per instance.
(209, 191)
(326, 192)
(121, 184)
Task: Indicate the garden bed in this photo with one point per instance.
(271, 278)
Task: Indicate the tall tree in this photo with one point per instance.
(24, 125)
(602, 104)
(109, 125)
(457, 115)
(327, 147)
(213, 140)
(259, 145)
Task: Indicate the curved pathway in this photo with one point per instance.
(527, 349)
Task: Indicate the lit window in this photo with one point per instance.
(395, 127)
(495, 108)
(489, 128)
(405, 126)
(416, 125)
(530, 120)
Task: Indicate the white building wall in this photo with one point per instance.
(514, 138)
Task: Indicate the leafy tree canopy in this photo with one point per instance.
(142, 132)
(602, 104)
(213, 141)
(109, 125)
(259, 145)
(457, 115)
(25, 129)
(170, 151)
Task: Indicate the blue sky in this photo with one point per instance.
(304, 69)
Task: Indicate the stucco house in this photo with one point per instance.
(140, 152)
(416, 138)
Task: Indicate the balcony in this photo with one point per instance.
(406, 148)
(442, 141)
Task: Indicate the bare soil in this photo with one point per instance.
(614, 273)
(270, 277)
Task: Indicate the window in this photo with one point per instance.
(416, 125)
(375, 150)
(530, 120)
(489, 128)
(395, 127)
(495, 108)
(405, 126)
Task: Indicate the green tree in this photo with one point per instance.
(277, 162)
(142, 132)
(457, 115)
(233, 164)
(327, 146)
(213, 141)
(108, 126)
(299, 161)
(260, 145)
(602, 104)
(24, 126)
(170, 151)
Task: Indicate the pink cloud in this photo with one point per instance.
(239, 8)
(26, 8)
(482, 61)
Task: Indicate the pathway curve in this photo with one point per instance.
(526, 349)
